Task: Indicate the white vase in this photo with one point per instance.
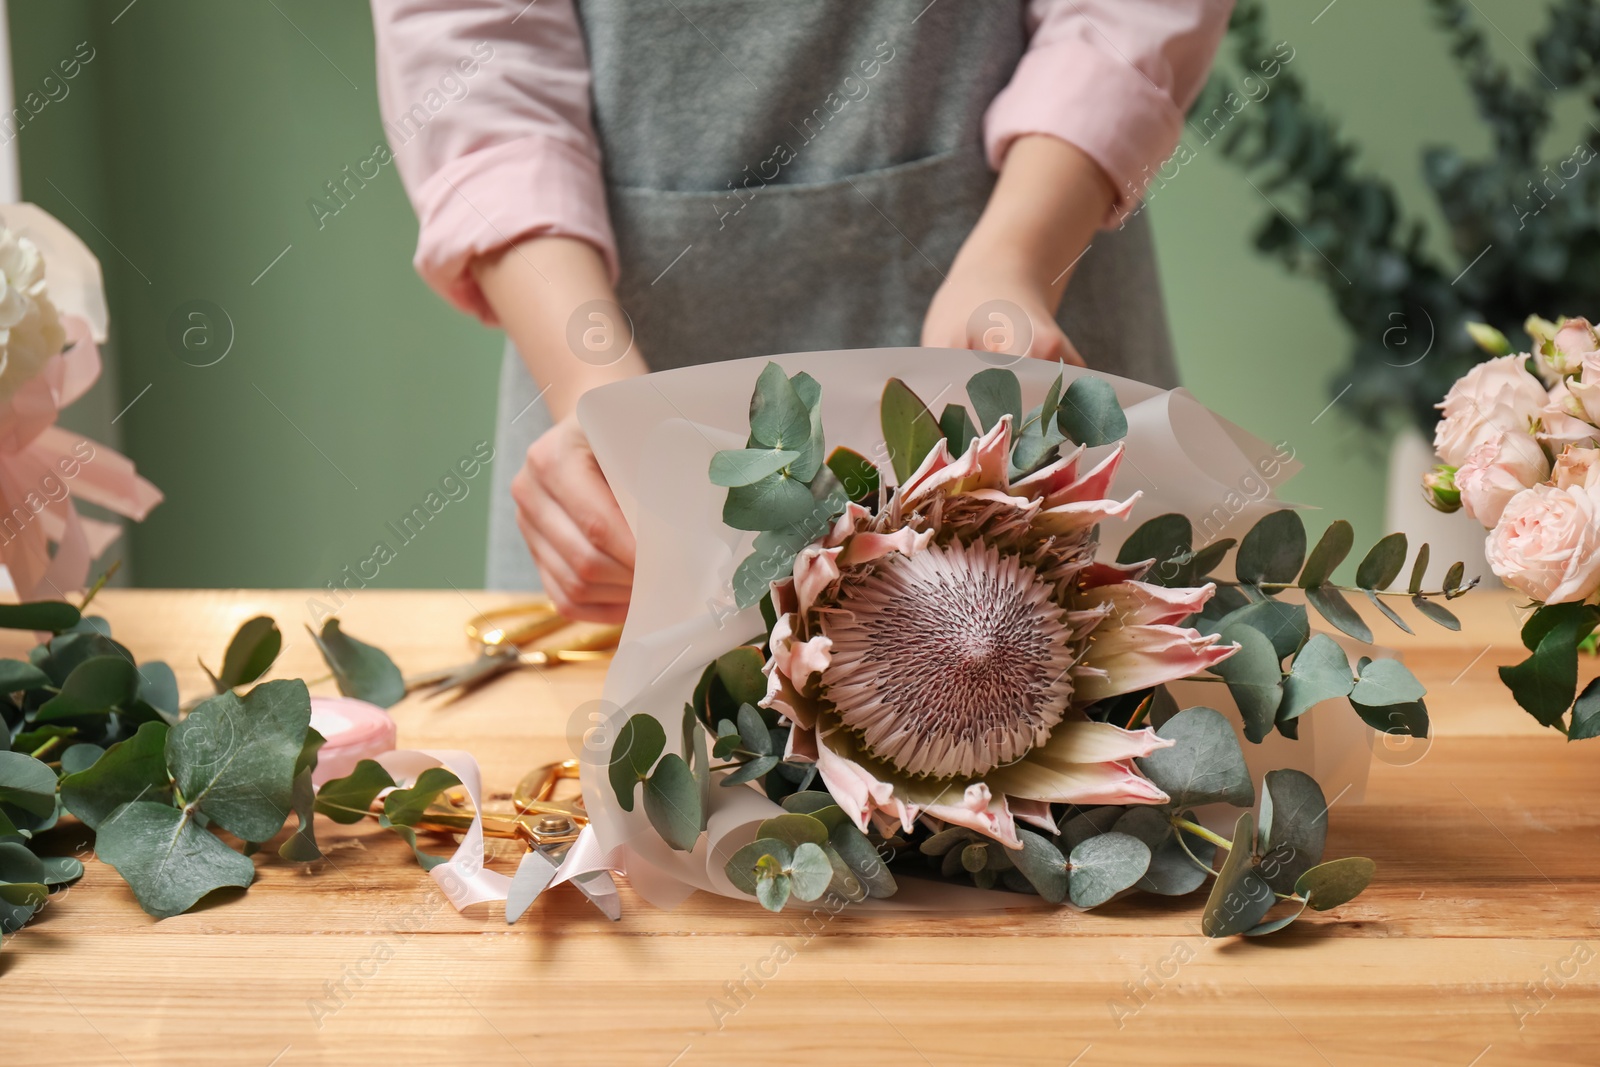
(1449, 537)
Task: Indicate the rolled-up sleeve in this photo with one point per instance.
(486, 107)
(1113, 78)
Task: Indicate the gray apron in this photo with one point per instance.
(797, 176)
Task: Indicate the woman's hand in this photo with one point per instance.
(989, 304)
(573, 527)
(1005, 285)
(549, 291)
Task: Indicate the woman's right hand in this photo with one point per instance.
(545, 290)
(573, 526)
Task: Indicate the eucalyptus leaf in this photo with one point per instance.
(742, 869)
(1336, 882)
(1283, 624)
(17, 676)
(996, 393)
(1240, 896)
(347, 800)
(1294, 827)
(855, 849)
(80, 757)
(53, 615)
(1436, 612)
(1042, 864)
(1331, 550)
(1331, 605)
(1254, 678)
(95, 686)
(251, 652)
(27, 788)
(403, 808)
(1273, 550)
(810, 872)
(742, 466)
(750, 770)
(856, 473)
(1419, 570)
(672, 802)
(1090, 413)
(1104, 866)
(1386, 681)
(773, 891)
(1320, 672)
(1171, 872)
(301, 846)
(794, 829)
(167, 860)
(1383, 563)
(158, 687)
(360, 670)
(135, 769)
(909, 429)
(639, 744)
(1406, 720)
(779, 418)
(233, 759)
(1161, 539)
(1204, 765)
(956, 424)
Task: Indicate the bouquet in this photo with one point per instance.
(960, 689)
(48, 359)
(1519, 444)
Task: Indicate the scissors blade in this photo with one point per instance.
(601, 890)
(533, 877)
(480, 671)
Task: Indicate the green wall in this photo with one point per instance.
(190, 146)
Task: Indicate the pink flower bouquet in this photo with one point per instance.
(1519, 445)
(957, 682)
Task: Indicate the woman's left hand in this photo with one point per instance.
(986, 306)
(1006, 282)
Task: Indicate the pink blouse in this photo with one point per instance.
(486, 105)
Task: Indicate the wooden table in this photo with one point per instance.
(1475, 946)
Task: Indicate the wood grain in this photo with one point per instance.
(1474, 947)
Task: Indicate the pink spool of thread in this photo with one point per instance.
(355, 730)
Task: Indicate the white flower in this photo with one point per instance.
(30, 326)
(1497, 396)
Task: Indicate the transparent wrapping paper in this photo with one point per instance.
(654, 437)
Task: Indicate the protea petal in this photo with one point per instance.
(1083, 514)
(983, 465)
(866, 547)
(1092, 486)
(846, 524)
(1077, 783)
(1096, 742)
(981, 810)
(1035, 812)
(1138, 657)
(1140, 603)
(1053, 478)
(814, 569)
(858, 791)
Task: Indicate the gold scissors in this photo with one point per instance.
(546, 825)
(527, 634)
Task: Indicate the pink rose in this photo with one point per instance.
(1584, 389)
(1497, 396)
(1560, 347)
(1564, 422)
(1497, 470)
(1578, 468)
(1547, 544)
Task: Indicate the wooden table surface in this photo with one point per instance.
(1475, 945)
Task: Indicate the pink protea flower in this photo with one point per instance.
(933, 659)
